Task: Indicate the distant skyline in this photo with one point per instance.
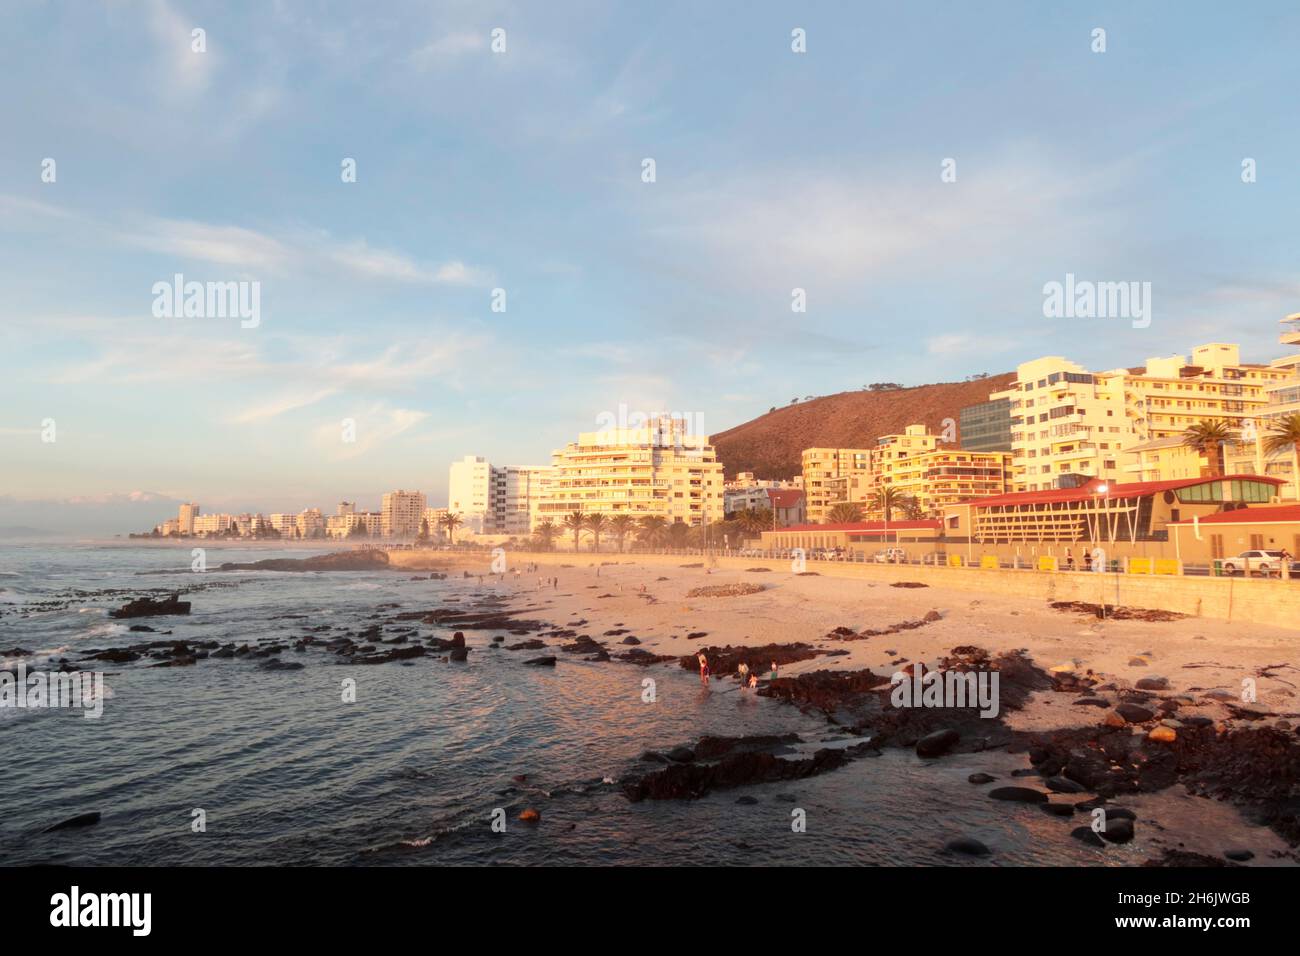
(522, 170)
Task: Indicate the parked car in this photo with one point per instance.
(890, 556)
(1267, 563)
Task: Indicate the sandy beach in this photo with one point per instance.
(1195, 655)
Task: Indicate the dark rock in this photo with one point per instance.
(681, 754)
(1018, 795)
(967, 846)
(1058, 809)
(1085, 835)
(1241, 855)
(746, 801)
(1135, 713)
(1117, 831)
(937, 743)
(148, 607)
(72, 823)
(541, 661)
(1063, 785)
(980, 778)
(459, 654)
(1153, 683)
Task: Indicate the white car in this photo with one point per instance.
(1267, 563)
(890, 556)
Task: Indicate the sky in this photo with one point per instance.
(481, 170)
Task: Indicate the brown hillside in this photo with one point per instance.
(771, 444)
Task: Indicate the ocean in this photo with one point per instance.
(415, 770)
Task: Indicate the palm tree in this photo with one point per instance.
(1208, 437)
(652, 529)
(911, 508)
(756, 520)
(451, 521)
(846, 512)
(575, 521)
(678, 532)
(1284, 435)
(887, 498)
(620, 526)
(596, 523)
(424, 531)
(546, 532)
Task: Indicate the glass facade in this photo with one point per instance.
(986, 426)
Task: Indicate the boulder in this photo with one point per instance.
(937, 743)
(967, 846)
(1018, 795)
(541, 662)
(1117, 831)
(979, 778)
(1134, 713)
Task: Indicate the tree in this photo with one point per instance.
(754, 521)
(886, 499)
(678, 532)
(424, 531)
(620, 526)
(451, 521)
(596, 523)
(1284, 435)
(846, 512)
(546, 532)
(1209, 437)
(575, 521)
(911, 508)
(358, 530)
(652, 529)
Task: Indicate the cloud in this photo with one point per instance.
(184, 71)
(447, 48)
(374, 426)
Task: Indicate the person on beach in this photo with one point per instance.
(1069, 560)
(743, 671)
(704, 669)
(753, 682)
(772, 674)
(1087, 560)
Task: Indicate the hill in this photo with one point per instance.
(770, 445)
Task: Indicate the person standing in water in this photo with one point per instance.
(743, 671)
(704, 669)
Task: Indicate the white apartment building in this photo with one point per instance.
(517, 492)
(469, 492)
(659, 470)
(402, 512)
(185, 520)
(1067, 425)
(309, 523)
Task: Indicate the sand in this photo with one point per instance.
(1194, 654)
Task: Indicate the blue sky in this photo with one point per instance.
(522, 170)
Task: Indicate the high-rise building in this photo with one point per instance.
(517, 492)
(185, 520)
(986, 426)
(309, 523)
(402, 512)
(658, 470)
(916, 467)
(834, 475)
(469, 492)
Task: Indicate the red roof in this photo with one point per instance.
(1250, 515)
(869, 526)
(784, 497)
(1133, 489)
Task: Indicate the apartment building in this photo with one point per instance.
(469, 492)
(916, 467)
(832, 476)
(401, 513)
(986, 426)
(516, 495)
(185, 520)
(309, 523)
(1282, 398)
(658, 469)
(1068, 425)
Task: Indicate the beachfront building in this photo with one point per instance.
(213, 524)
(746, 493)
(285, 524)
(916, 467)
(832, 476)
(1229, 533)
(432, 519)
(469, 492)
(1067, 425)
(185, 520)
(986, 426)
(401, 513)
(516, 496)
(1125, 520)
(1283, 399)
(309, 523)
(860, 540)
(656, 470)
